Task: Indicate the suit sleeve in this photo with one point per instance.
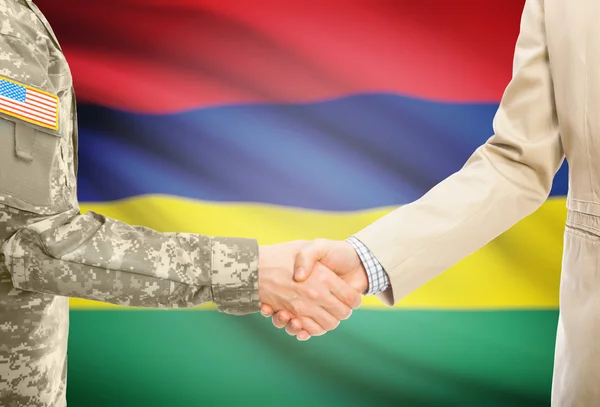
(505, 180)
(94, 257)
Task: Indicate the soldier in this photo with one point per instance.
(50, 251)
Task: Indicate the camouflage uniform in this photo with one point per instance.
(50, 251)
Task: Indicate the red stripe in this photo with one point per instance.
(51, 103)
(181, 54)
(44, 110)
(11, 107)
(34, 105)
(26, 108)
(42, 96)
(10, 110)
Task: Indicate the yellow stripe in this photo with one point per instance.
(520, 269)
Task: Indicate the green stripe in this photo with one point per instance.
(398, 358)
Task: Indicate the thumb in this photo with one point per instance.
(307, 257)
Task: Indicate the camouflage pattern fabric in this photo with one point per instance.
(50, 251)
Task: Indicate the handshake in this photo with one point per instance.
(309, 287)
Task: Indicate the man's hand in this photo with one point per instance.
(338, 256)
(318, 303)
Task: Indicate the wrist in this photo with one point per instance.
(275, 273)
(362, 280)
(359, 279)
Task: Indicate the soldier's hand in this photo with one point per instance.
(317, 304)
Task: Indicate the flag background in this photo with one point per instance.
(293, 120)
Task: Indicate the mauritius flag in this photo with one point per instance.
(297, 119)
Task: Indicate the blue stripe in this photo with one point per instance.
(352, 153)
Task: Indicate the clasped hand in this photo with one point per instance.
(309, 287)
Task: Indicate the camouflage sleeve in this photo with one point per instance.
(48, 246)
(94, 257)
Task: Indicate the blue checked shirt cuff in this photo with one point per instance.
(376, 275)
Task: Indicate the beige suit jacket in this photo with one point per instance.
(550, 110)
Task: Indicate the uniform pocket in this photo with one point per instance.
(28, 156)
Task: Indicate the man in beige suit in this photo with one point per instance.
(550, 109)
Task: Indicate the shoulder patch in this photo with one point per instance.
(29, 104)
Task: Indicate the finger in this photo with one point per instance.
(323, 318)
(266, 310)
(345, 293)
(281, 319)
(329, 302)
(333, 293)
(307, 257)
(294, 327)
(339, 310)
(303, 336)
(311, 327)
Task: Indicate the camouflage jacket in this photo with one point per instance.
(50, 251)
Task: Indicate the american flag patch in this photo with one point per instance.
(29, 104)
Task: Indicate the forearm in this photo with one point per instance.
(94, 257)
(505, 180)
(457, 217)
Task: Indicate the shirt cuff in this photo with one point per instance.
(376, 275)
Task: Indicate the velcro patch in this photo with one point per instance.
(29, 104)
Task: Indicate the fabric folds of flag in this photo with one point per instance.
(296, 120)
